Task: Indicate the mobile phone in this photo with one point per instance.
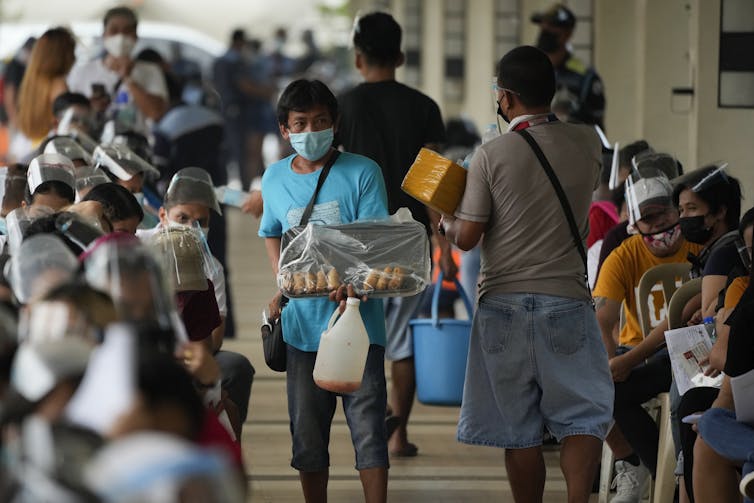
(692, 418)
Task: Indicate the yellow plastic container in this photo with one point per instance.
(435, 181)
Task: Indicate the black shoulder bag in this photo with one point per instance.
(275, 348)
(563, 201)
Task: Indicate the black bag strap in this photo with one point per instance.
(320, 181)
(561, 196)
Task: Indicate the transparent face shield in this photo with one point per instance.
(122, 162)
(77, 126)
(69, 147)
(18, 220)
(50, 167)
(193, 185)
(120, 265)
(714, 177)
(182, 255)
(152, 466)
(88, 177)
(649, 163)
(647, 194)
(54, 320)
(42, 262)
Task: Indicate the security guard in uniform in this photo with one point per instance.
(579, 96)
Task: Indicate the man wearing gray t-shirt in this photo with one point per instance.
(536, 359)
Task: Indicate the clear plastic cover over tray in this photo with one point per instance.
(380, 258)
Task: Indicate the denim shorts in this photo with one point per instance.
(535, 361)
(311, 410)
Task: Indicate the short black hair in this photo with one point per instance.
(528, 72)
(302, 95)
(56, 187)
(117, 202)
(163, 382)
(238, 36)
(378, 37)
(68, 99)
(120, 10)
(724, 193)
(150, 55)
(625, 154)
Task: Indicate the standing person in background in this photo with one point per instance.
(389, 123)
(12, 77)
(228, 70)
(579, 95)
(44, 80)
(137, 89)
(535, 355)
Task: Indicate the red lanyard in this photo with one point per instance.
(535, 121)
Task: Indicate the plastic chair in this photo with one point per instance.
(668, 275)
(664, 483)
(679, 299)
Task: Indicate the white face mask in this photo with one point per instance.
(119, 45)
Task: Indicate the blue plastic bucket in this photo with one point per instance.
(441, 347)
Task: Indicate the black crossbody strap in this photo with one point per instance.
(561, 195)
(320, 181)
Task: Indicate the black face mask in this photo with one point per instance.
(548, 41)
(501, 114)
(693, 229)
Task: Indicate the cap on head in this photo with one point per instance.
(647, 195)
(557, 15)
(192, 185)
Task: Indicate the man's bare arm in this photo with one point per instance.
(608, 317)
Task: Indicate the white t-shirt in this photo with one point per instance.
(147, 75)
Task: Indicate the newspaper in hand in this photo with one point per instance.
(688, 348)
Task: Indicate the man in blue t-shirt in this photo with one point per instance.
(353, 190)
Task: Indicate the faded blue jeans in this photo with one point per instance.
(729, 438)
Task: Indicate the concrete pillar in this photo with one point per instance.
(480, 62)
(433, 63)
(718, 133)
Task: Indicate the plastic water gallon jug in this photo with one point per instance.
(342, 352)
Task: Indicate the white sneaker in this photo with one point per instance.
(747, 485)
(630, 482)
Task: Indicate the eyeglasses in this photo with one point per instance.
(497, 89)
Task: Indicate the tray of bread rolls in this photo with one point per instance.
(380, 258)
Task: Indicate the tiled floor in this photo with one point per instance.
(444, 471)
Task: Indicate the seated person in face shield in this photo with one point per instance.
(51, 182)
(119, 206)
(188, 201)
(124, 166)
(658, 240)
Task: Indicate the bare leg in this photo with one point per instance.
(374, 482)
(526, 474)
(579, 457)
(715, 478)
(618, 443)
(401, 400)
(314, 485)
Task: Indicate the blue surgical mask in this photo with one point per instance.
(312, 146)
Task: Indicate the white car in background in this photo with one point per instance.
(168, 39)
